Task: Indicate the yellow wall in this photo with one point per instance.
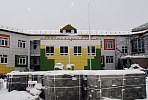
(4, 69)
(79, 61)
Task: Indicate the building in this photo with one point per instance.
(40, 50)
(139, 47)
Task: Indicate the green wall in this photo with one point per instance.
(45, 64)
(96, 62)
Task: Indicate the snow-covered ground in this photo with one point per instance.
(24, 95)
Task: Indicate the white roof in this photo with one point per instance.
(81, 72)
(57, 32)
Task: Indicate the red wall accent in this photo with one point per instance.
(7, 36)
(113, 41)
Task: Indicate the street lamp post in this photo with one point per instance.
(90, 54)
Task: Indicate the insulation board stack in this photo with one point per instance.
(135, 85)
(17, 82)
(62, 87)
(99, 86)
(125, 87)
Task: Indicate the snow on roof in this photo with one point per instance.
(79, 72)
(57, 32)
(141, 28)
(93, 72)
(129, 56)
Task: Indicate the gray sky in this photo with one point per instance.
(110, 15)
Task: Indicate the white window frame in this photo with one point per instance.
(5, 59)
(77, 53)
(124, 48)
(49, 53)
(21, 43)
(4, 41)
(22, 60)
(64, 53)
(109, 44)
(109, 59)
(92, 53)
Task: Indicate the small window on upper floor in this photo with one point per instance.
(21, 43)
(49, 50)
(92, 49)
(34, 44)
(68, 31)
(4, 40)
(109, 44)
(63, 50)
(124, 49)
(77, 50)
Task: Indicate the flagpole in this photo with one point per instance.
(90, 54)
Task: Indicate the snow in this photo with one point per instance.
(135, 66)
(129, 56)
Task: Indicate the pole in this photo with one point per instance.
(89, 33)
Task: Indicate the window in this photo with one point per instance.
(93, 50)
(34, 60)
(34, 44)
(68, 31)
(22, 60)
(109, 59)
(64, 50)
(49, 50)
(77, 51)
(3, 59)
(124, 49)
(3, 41)
(21, 43)
(109, 44)
(138, 45)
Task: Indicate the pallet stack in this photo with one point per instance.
(63, 87)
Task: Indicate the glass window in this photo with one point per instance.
(124, 49)
(77, 50)
(3, 58)
(3, 41)
(49, 50)
(93, 50)
(64, 50)
(109, 59)
(22, 60)
(109, 44)
(34, 44)
(21, 43)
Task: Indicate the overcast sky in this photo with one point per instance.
(110, 15)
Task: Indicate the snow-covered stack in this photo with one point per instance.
(118, 85)
(62, 86)
(17, 82)
(135, 86)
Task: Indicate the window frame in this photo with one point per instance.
(109, 46)
(50, 53)
(64, 50)
(34, 44)
(92, 53)
(77, 53)
(109, 59)
(4, 40)
(22, 60)
(124, 49)
(21, 44)
(5, 59)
